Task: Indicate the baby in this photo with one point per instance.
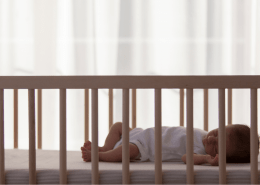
(141, 145)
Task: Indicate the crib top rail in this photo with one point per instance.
(135, 82)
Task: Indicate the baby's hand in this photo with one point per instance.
(212, 160)
(86, 154)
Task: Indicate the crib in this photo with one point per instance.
(127, 83)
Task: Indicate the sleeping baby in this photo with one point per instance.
(141, 145)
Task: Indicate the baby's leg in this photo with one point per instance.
(113, 137)
(114, 155)
(87, 145)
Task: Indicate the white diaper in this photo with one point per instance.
(133, 136)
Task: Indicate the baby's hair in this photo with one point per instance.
(240, 137)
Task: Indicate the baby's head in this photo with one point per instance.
(237, 143)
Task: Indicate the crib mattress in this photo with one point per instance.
(79, 172)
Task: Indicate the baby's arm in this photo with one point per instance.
(201, 159)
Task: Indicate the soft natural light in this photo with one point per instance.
(131, 37)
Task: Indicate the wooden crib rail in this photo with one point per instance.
(189, 140)
(39, 118)
(32, 152)
(131, 82)
(158, 135)
(125, 138)
(63, 137)
(222, 136)
(2, 150)
(15, 118)
(254, 138)
(206, 109)
(94, 144)
(126, 83)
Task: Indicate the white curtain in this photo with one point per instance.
(125, 37)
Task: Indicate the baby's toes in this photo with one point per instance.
(88, 143)
(88, 146)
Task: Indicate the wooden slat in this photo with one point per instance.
(125, 136)
(222, 138)
(86, 114)
(182, 107)
(63, 139)
(133, 108)
(2, 143)
(94, 144)
(133, 82)
(229, 106)
(15, 118)
(158, 137)
(254, 138)
(39, 118)
(206, 109)
(189, 146)
(110, 108)
(32, 147)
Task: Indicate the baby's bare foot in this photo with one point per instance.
(87, 145)
(86, 154)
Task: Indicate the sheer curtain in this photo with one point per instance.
(125, 37)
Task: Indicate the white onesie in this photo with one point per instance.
(173, 142)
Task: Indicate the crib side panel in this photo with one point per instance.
(95, 177)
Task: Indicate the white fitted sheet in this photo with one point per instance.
(79, 172)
